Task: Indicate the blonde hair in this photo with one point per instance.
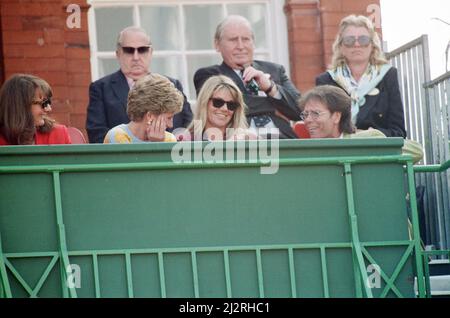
(376, 56)
(212, 85)
(153, 93)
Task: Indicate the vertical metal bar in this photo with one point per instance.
(64, 258)
(260, 273)
(356, 245)
(129, 275)
(427, 276)
(323, 260)
(416, 232)
(445, 155)
(96, 278)
(292, 273)
(6, 289)
(438, 148)
(195, 274)
(226, 261)
(162, 279)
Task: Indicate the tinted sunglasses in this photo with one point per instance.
(44, 103)
(131, 50)
(350, 40)
(218, 102)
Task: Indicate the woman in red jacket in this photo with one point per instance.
(25, 102)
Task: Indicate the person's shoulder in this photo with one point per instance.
(212, 69)
(174, 81)
(169, 137)
(391, 73)
(325, 76)
(267, 64)
(369, 133)
(109, 78)
(59, 134)
(117, 135)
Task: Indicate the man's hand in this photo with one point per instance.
(263, 79)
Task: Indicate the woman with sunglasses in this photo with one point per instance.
(219, 113)
(25, 102)
(359, 67)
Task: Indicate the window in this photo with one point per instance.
(182, 33)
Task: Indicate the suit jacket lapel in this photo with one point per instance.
(229, 72)
(120, 87)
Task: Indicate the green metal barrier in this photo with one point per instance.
(136, 224)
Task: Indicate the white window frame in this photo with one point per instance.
(275, 24)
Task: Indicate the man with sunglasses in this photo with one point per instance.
(359, 68)
(108, 95)
(269, 94)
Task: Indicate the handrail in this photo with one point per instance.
(433, 168)
(437, 80)
(406, 46)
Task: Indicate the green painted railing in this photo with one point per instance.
(196, 255)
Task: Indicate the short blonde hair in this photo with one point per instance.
(212, 85)
(376, 56)
(153, 93)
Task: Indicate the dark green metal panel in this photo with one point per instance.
(150, 228)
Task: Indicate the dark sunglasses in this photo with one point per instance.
(218, 102)
(131, 50)
(350, 40)
(44, 103)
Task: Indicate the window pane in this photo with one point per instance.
(107, 66)
(200, 26)
(167, 65)
(256, 14)
(163, 25)
(261, 56)
(198, 61)
(109, 22)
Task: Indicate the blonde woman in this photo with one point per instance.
(219, 113)
(152, 103)
(359, 67)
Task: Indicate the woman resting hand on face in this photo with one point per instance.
(152, 103)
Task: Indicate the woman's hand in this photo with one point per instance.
(156, 129)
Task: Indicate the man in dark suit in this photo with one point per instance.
(108, 96)
(269, 94)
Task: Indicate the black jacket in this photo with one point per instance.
(108, 106)
(258, 105)
(383, 111)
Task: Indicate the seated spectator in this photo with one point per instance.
(359, 67)
(268, 92)
(108, 95)
(152, 103)
(326, 111)
(25, 102)
(219, 114)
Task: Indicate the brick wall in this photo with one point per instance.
(36, 40)
(312, 28)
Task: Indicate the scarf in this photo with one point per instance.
(358, 90)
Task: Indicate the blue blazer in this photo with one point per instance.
(108, 106)
(383, 111)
